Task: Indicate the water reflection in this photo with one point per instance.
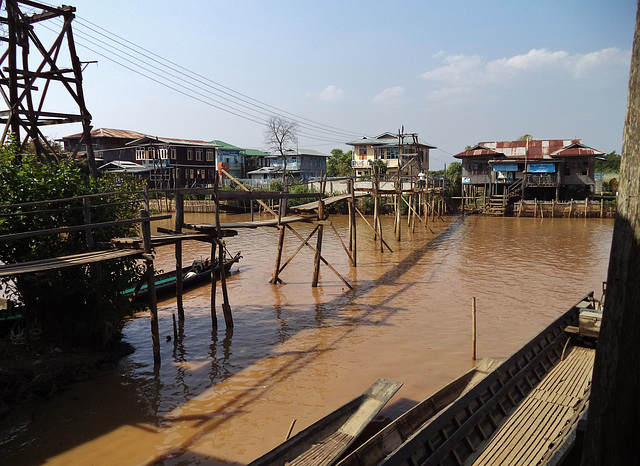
(299, 352)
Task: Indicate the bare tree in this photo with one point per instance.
(280, 135)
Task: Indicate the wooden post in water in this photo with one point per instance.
(316, 260)
(179, 221)
(473, 328)
(214, 286)
(586, 207)
(226, 307)
(275, 279)
(398, 214)
(151, 287)
(352, 222)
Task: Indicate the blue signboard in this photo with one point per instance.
(542, 168)
(505, 167)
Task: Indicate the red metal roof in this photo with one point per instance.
(539, 149)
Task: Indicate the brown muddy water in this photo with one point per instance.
(298, 353)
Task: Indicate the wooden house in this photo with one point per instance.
(397, 152)
(108, 144)
(176, 162)
(535, 169)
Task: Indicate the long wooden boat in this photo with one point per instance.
(199, 271)
(523, 412)
(322, 443)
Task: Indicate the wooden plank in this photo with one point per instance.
(256, 224)
(66, 261)
(71, 229)
(328, 201)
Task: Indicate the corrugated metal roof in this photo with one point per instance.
(384, 139)
(539, 149)
(184, 142)
(109, 133)
(305, 152)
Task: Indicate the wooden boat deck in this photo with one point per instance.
(322, 443)
(544, 385)
(529, 432)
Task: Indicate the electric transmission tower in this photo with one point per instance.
(31, 71)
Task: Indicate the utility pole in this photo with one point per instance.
(25, 89)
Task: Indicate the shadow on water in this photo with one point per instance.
(154, 395)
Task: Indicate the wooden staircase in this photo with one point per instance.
(497, 205)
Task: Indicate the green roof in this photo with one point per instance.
(225, 145)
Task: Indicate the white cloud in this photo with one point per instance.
(463, 75)
(331, 94)
(389, 96)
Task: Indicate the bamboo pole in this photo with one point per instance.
(473, 328)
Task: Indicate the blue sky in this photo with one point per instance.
(455, 72)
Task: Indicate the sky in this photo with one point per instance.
(455, 72)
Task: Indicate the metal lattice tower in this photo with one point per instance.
(29, 73)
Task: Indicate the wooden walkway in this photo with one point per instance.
(328, 200)
(258, 223)
(531, 430)
(67, 261)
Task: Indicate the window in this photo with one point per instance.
(151, 152)
(211, 173)
(162, 153)
(362, 150)
(191, 173)
(210, 155)
(140, 153)
(189, 154)
(199, 155)
(173, 153)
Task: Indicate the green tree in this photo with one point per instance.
(62, 303)
(339, 164)
(610, 164)
(525, 137)
(379, 167)
(454, 174)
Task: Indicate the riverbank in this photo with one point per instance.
(32, 371)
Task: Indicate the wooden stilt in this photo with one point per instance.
(151, 287)
(214, 286)
(352, 223)
(382, 242)
(316, 260)
(324, 261)
(276, 279)
(398, 215)
(179, 221)
(226, 307)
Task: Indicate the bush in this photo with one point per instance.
(63, 303)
